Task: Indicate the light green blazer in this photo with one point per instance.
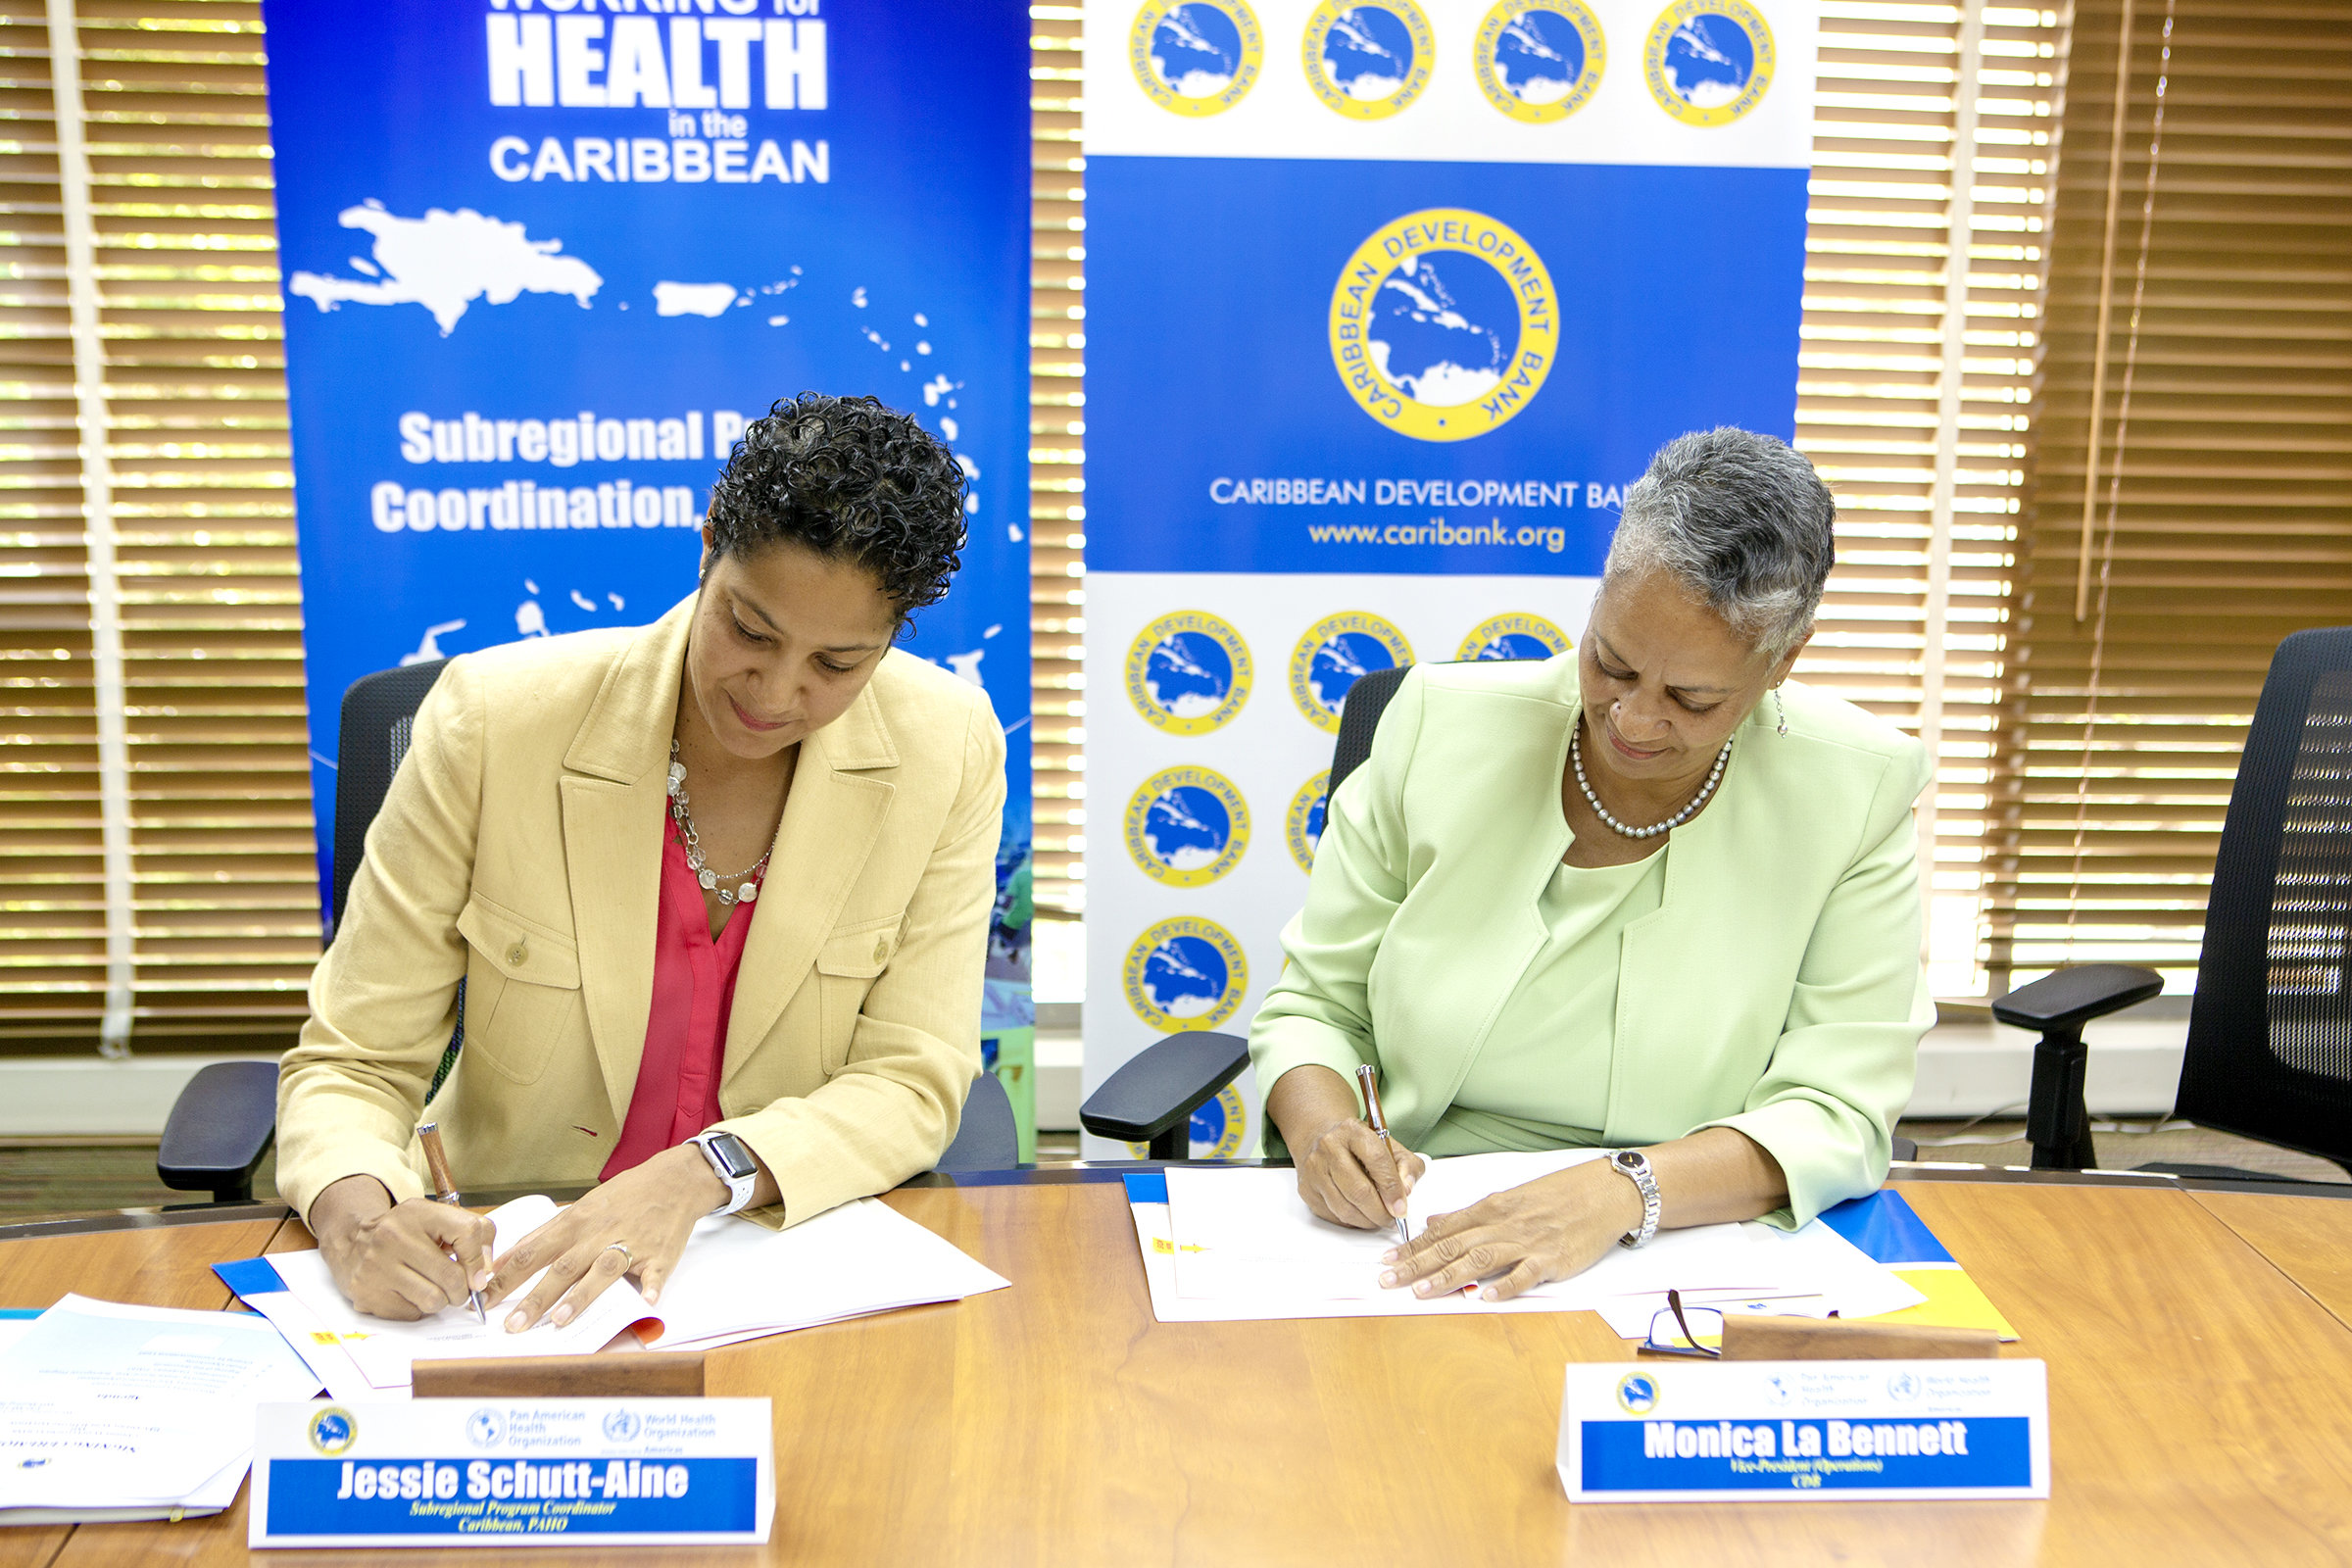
(1778, 988)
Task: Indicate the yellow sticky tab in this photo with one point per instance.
(1162, 1246)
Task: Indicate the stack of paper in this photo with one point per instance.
(736, 1281)
(134, 1412)
(1237, 1243)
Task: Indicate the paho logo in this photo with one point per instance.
(1195, 56)
(1443, 325)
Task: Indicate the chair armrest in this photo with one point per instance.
(989, 1137)
(220, 1126)
(2064, 1001)
(1151, 1099)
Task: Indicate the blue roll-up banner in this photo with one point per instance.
(1387, 305)
(543, 260)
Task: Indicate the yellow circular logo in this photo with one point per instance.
(333, 1430)
(1185, 973)
(1443, 325)
(1222, 1124)
(1336, 651)
(1708, 62)
(1368, 61)
(1188, 672)
(1517, 635)
(1637, 1393)
(1186, 826)
(1539, 61)
(1302, 826)
(1195, 56)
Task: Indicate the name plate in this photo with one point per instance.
(513, 1473)
(1703, 1431)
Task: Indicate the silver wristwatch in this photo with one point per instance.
(1634, 1166)
(731, 1162)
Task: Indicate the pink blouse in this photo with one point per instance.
(686, 1033)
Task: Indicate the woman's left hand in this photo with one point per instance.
(1550, 1229)
(650, 1208)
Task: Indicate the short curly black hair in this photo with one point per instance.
(851, 481)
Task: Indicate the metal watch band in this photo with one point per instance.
(733, 1164)
(1634, 1166)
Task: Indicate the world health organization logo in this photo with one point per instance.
(1186, 826)
(1188, 672)
(1368, 62)
(1539, 61)
(1302, 827)
(1708, 61)
(1442, 325)
(1185, 973)
(1334, 654)
(1195, 56)
(1514, 636)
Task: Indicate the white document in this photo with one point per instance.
(109, 1411)
(1242, 1245)
(736, 1281)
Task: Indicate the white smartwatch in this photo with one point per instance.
(731, 1162)
(1634, 1166)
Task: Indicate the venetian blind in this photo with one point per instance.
(187, 487)
(1058, 459)
(2201, 305)
(1914, 386)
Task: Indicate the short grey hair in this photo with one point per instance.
(1739, 520)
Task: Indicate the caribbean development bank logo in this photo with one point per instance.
(1336, 652)
(1539, 61)
(1197, 57)
(1188, 672)
(1302, 826)
(1186, 826)
(1442, 325)
(333, 1430)
(1517, 635)
(1708, 62)
(1185, 973)
(1368, 62)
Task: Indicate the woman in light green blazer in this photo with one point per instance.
(1652, 896)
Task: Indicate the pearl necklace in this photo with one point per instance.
(1575, 758)
(746, 883)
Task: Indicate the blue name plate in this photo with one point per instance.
(1699, 1431)
(513, 1473)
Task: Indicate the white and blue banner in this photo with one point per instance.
(1387, 305)
(544, 257)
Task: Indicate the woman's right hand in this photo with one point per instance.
(392, 1260)
(1350, 1175)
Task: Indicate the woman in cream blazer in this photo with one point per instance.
(521, 849)
(1652, 896)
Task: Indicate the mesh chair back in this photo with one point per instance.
(379, 714)
(2269, 1037)
(1359, 717)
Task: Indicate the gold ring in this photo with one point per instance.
(628, 1259)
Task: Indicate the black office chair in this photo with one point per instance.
(2270, 1031)
(226, 1119)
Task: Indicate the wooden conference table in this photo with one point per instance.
(2200, 1345)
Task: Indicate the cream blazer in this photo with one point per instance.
(520, 849)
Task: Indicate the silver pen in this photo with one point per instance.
(446, 1191)
(1369, 1080)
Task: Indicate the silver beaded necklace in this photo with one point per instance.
(1576, 758)
(743, 886)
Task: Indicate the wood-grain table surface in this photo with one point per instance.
(2199, 1349)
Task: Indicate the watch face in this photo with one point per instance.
(732, 1157)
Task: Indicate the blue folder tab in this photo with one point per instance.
(21, 1311)
(1883, 1225)
(1148, 1186)
(250, 1277)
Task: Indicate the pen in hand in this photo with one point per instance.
(445, 1191)
(1369, 1078)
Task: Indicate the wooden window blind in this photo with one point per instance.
(2191, 498)
(181, 517)
(1925, 251)
(1058, 459)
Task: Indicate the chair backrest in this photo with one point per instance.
(1359, 717)
(2270, 1034)
(379, 712)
